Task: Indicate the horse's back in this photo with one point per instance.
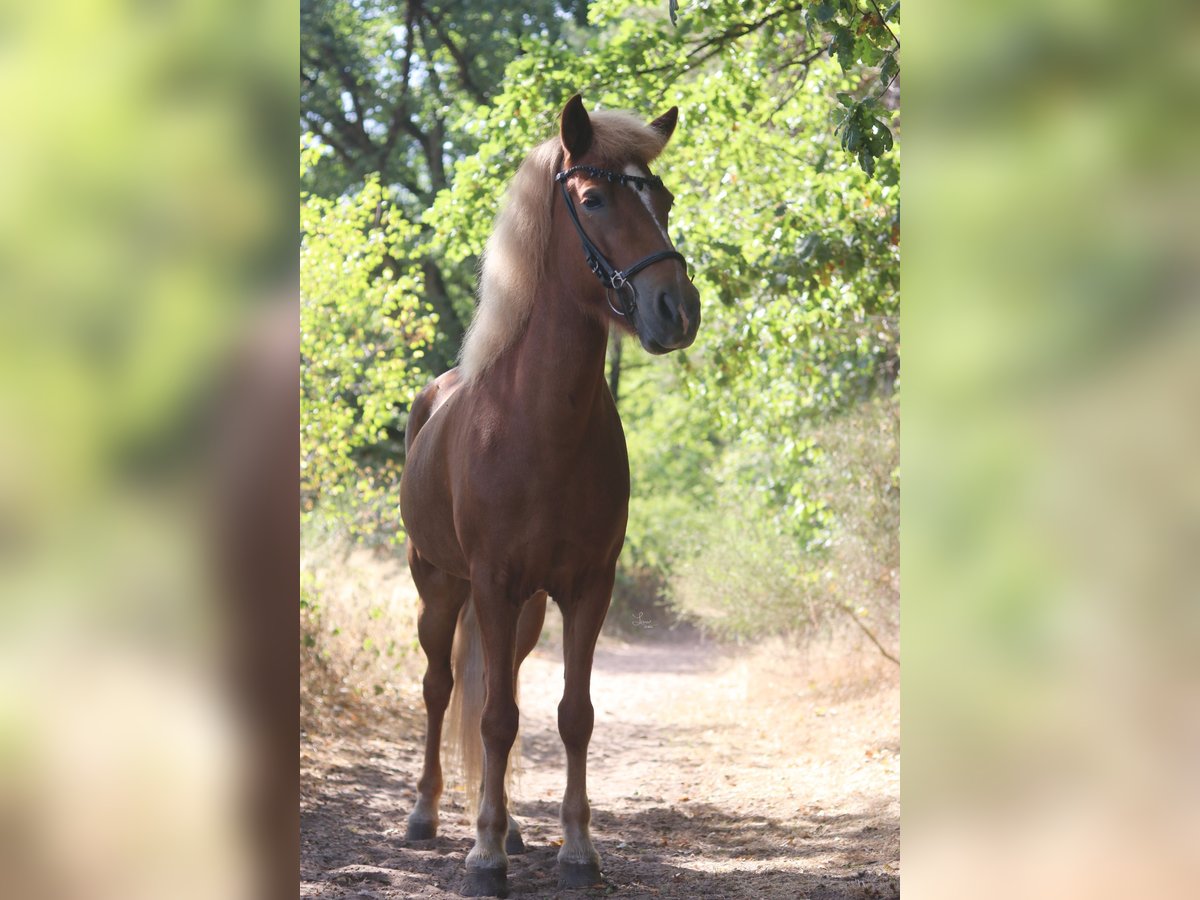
(428, 401)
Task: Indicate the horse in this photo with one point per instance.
(516, 480)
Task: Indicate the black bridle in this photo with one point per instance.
(610, 276)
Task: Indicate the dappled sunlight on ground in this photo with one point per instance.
(714, 771)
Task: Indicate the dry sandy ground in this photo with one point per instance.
(713, 773)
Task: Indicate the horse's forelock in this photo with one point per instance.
(621, 138)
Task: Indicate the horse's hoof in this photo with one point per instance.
(421, 831)
(578, 875)
(486, 883)
(513, 843)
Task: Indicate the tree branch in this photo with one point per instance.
(409, 13)
(883, 22)
(715, 43)
(741, 29)
(805, 62)
(865, 630)
(316, 125)
(460, 60)
(327, 60)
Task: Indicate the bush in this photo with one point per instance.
(639, 603)
(744, 576)
(358, 636)
(364, 333)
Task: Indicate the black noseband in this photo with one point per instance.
(610, 276)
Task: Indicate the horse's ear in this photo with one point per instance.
(575, 128)
(665, 124)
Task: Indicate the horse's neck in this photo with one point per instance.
(559, 360)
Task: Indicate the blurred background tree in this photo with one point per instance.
(765, 457)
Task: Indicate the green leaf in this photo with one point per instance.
(866, 51)
(885, 135)
(842, 46)
(889, 68)
(867, 161)
(891, 11)
(853, 137)
(824, 11)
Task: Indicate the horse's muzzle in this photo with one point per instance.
(670, 321)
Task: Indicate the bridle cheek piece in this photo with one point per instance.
(614, 279)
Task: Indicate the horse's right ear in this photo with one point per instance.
(665, 124)
(575, 128)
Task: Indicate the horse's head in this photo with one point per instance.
(619, 211)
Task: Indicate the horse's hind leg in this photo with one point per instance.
(442, 596)
(583, 614)
(529, 629)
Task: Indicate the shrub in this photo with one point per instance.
(744, 576)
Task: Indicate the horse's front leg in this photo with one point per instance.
(578, 861)
(487, 863)
(529, 630)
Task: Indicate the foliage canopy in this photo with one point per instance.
(785, 171)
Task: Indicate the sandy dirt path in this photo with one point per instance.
(712, 773)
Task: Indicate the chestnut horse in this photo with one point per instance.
(516, 484)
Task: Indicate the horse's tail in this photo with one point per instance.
(466, 708)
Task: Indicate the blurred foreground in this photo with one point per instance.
(1051, 516)
(148, 347)
(1052, 495)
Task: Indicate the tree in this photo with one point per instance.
(794, 242)
(786, 177)
(390, 89)
(363, 343)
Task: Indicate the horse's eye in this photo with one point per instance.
(593, 201)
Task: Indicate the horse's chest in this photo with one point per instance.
(573, 523)
(545, 495)
(584, 498)
(570, 488)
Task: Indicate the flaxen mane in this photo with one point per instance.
(515, 256)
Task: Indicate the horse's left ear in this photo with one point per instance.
(665, 124)
(575, 128)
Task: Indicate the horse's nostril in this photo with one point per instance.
(664, 307)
